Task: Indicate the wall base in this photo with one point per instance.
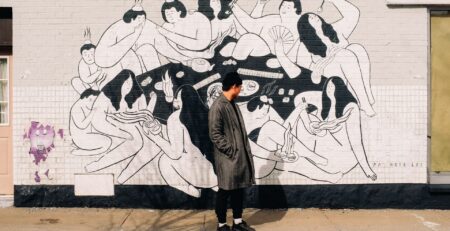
(401, 196)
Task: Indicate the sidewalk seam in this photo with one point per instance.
(124, 220)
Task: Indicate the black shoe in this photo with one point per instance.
(224, 228)
(242, 226)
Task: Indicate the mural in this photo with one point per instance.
(145, 90)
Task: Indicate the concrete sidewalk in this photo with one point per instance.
(81, 219)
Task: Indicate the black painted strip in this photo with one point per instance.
(401, 196)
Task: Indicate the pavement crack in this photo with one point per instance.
(125, 219)
(329, 220)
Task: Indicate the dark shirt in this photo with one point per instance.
(241, 128)
(239, 120)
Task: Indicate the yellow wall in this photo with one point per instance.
(440, 111)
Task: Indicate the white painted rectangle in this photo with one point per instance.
(94, 185)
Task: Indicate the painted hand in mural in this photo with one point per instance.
(330, 125)
(286, 153)
(132, 117)
(209, 53)
(318, 66)
(283, 38)
(152, 127)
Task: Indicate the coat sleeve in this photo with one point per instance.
(216, 132)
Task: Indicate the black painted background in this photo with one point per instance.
(404, 196)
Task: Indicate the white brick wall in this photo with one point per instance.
(48, 35)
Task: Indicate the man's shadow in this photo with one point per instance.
(270, 199)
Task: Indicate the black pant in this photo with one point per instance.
(237, 203)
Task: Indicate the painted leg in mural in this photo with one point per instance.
(125, 150)
(309, 170)
(148, 56)
(364, 63)
(348, 65)
(90, 144)
(148, 153)
(174, 179)
(250, 45)
(273, 135)
(264, 160)
(131, 62)
(354, 134)
(165, 49)
(196, 170)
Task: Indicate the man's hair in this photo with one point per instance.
(132, 14)
(179, 6)
(297, 5)
(87, 47)
(88, 92)
(230, 80)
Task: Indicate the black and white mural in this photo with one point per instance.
(145, 89)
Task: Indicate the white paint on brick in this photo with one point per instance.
(94, 184)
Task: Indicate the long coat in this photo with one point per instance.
(232, 153)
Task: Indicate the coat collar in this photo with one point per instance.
(223, 99)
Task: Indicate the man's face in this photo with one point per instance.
(88, 56)
(172, 15)
(236, 90)
(287, 8)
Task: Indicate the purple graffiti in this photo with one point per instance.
(37, 178)
(41, 144)
(61, 133)
(41, 138)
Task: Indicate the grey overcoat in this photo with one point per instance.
(232, 154)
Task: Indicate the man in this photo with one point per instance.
(233, 158)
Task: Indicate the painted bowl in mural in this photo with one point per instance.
(212, 93)
(273, 63)
(199, 65)
(159, 86)
(249, 87)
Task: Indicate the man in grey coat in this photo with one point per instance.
(233, 158)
